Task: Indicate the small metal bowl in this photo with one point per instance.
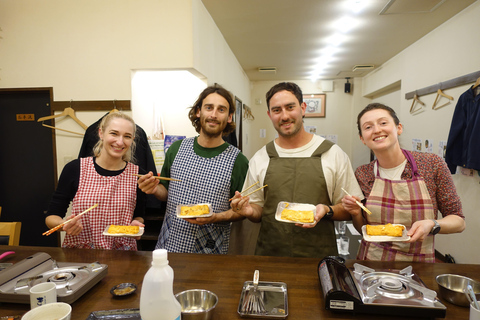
(197, 304)
(452, 288)
(123, 289)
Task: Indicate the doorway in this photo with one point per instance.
(27, 167)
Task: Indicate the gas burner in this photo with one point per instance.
(71, 279)
(365, 290)
(61, 277)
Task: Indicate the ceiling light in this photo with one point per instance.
(364, 67)
(267, 70)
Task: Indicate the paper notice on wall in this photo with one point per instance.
(428, 144)
(311, 129)
(442, 147)
(158, 153)
(417, 145)
(332, 138)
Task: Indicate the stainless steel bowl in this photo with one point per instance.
(197, 304)
(452, 288)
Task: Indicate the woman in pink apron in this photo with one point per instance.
(402, 187)
(106, 179)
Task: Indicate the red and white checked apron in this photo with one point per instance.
(116, 197)
(401, 202)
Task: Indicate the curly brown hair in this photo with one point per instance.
(192, 114)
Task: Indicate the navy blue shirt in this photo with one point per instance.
(463, 144)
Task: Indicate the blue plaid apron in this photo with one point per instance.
(203, 180)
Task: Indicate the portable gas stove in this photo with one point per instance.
(72, 279)
(364, 290)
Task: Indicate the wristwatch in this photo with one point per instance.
(436, 228)
(329, 214)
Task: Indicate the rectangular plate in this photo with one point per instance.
(274, 296)
(127, 314)
(368, 238)
(294, 206)
(138, 234)
(209, 214)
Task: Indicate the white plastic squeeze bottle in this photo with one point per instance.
(157, 301)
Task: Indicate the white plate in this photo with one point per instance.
(368, 238)
(294, 206)
(140, 232)
(209, 214)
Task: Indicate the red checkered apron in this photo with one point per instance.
(116, 197)
(402, 202)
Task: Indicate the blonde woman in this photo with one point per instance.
(106, 179)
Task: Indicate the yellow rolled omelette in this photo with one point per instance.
(196, 210)
(302, 216)
(385, 230)
(113, 229)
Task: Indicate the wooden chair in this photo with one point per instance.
(12, 231)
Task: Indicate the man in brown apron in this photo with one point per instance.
(298, 167)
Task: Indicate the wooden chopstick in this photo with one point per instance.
(159, 178)
(255, 190)
(245, 189)
(49, 232)
(358, 202)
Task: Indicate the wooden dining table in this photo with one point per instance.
(225, 276)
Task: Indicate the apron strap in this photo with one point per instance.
(410, 159)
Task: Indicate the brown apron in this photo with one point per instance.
(402, 202)
(297, 180)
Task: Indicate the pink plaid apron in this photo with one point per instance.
(116, 197)
(401, 202)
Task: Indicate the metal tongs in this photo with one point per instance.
(253, 303)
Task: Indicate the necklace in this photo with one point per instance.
(393, 173)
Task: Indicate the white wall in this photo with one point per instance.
(446, 53)
(88, 50)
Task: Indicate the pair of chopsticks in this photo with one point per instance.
(157, 177)
(250, 188)
(359, 203)
(49, 232)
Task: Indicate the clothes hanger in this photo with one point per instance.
(114, 108)
(66, 112)
(46, 125)
(441, 94)
(415, 99)
(477, 83)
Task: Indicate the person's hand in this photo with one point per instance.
(148, 183)
(241, 205)
(73, 227)
(420, 230)
(202, 221)
(137, 223)
(349, 204)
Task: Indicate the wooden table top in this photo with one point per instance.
(225, 276)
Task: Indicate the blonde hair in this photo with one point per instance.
(97, 149)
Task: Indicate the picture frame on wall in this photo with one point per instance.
(315, 105)
(238, 121)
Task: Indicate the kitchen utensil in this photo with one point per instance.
(197, 304)
(158, 177)
(452, 288)
(359, 203)
(471, 296)
(49, 232)
(254, 302)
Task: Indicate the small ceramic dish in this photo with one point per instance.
(123, 289)
(369, 238)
